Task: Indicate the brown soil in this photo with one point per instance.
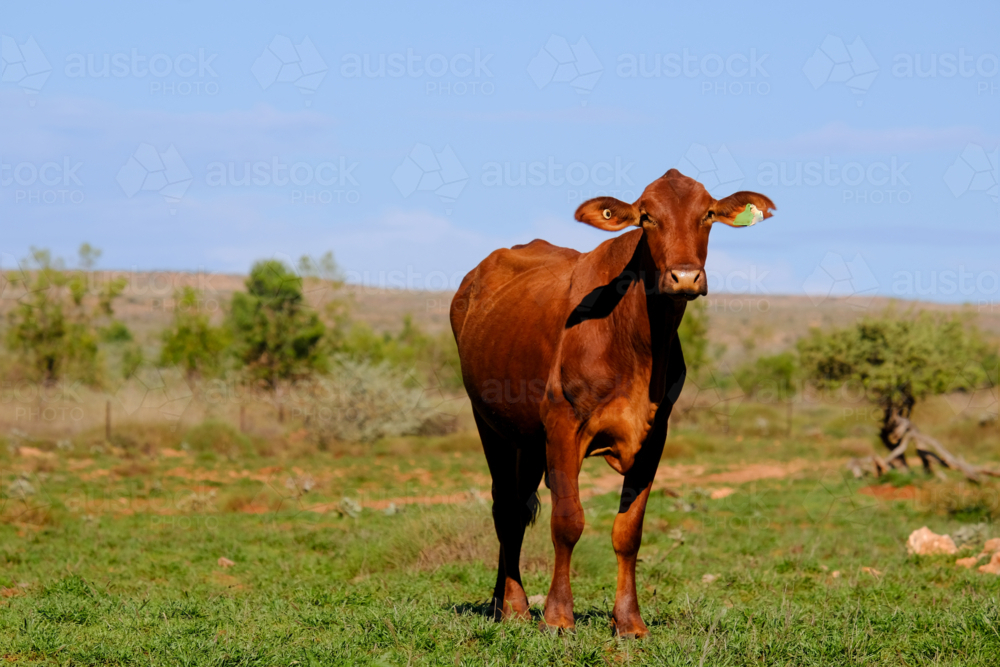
(890, 492)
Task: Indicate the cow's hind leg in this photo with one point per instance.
(567, 520)
(516, 475)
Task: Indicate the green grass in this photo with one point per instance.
(122, 567)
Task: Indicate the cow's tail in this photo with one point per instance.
(533, 505)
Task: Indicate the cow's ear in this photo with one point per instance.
(742, 209)
(608, 213)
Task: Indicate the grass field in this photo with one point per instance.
(110, 553)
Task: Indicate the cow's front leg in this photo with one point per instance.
(567, 522)
(626, 535)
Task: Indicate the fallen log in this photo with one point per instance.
(897, 434)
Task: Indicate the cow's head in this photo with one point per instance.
(676, 214)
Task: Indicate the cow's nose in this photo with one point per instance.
(685, 282)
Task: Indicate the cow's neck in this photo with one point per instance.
(649, 319)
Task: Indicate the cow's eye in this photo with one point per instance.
(644, 219)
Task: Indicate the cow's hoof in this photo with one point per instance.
(634, 630)
(509, 611)
(556, 629)
(516, 614)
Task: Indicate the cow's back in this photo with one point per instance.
(507, 316)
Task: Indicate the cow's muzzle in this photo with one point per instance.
(684, 282)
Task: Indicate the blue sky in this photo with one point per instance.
(396, 136)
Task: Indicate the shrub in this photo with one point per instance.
(53, 325)
(191, 342)
(363, 402)
(218, 437)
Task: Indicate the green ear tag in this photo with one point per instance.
(750, 216)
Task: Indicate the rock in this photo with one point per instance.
(348, 507)
(724, 492)
(835, 574)
(536, 601)
(992, 545)
(993, 567)
(925, 542)
(225, 563)
(20, 488)
(969, 562)
(709, 578)
(872, 571)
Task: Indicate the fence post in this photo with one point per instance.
(107, 420)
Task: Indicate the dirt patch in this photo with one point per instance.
(254, 508)
(34, 453)
(166, 452)
(95, 474)
(754, 472)
(667, 476)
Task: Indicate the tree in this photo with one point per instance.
(323, 281)
(325, 268)
(88, 256)
(898, 361)
(191, 342)
(275, 334)
(53, 326)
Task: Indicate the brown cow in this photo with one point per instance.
(567, 355)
